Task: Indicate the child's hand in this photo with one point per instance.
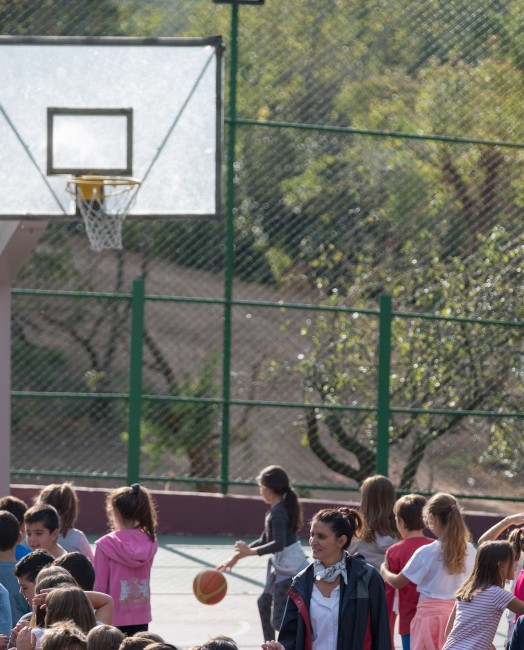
(243, 550)
(25, 640)
(272, 645)
(39, 599)
(16, 630)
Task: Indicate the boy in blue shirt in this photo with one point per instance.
(9, 537)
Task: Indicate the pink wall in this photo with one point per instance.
(209, 514)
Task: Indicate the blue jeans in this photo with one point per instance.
(405, 641)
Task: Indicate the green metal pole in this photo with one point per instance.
(383, 390)
(135, 382)
(229, 253)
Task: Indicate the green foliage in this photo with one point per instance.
(181, 426)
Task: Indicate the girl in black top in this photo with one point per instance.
(279, 539)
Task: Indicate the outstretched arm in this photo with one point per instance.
(501, 526)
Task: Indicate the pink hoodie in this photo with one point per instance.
(123, 561)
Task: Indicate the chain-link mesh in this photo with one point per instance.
(379, 151)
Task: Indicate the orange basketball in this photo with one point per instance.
(210, 586)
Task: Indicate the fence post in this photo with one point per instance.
(229, 253)
(383, 389)
(135, 381)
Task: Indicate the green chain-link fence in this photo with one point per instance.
(372, 149)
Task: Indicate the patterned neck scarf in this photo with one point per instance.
(331, 573)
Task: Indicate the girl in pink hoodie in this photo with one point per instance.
(123, 558)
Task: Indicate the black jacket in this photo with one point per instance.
(362, 607)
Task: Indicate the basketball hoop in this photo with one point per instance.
(103, 202)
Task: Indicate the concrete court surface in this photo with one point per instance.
(180, 619)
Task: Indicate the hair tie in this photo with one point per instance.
(135, 488)
(453, 506)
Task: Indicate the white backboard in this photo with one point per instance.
(146, 108)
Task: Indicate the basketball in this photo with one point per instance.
(210, 586)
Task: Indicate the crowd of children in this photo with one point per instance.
(56, 594)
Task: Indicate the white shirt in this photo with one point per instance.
(426, 569)
(323, 613)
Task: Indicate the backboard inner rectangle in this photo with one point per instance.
(90, 141)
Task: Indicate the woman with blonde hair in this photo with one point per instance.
(438, 569)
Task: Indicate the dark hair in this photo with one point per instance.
(410, 509)
(220, 642)
(156, 645)
(64, 635)
(9, 531)
(30, 565)
(275, 478)
(61, 496)
(42, 512)
(516, 539)
(104, 637)
(486, 571)
(64, 603)
(134, 503)
(342, 521)
(80, 567)
(15, 506)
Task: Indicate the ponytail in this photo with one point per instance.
(455, 535)
(516, 539)
(275, 478)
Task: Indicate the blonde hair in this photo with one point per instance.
(455, 535)
(376, 508)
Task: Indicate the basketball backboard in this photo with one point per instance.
(145, 108)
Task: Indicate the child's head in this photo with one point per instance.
(377, 498)
(64, 636)
(132, 507)
(516, 539)
(16, 507)
(275, 478)
(62, 497)
(9, 531)
(41, 526)
(50, 577)
(135, 643)
(146, 634)
(69, 603)
(408, 511)
(80, 567)
(220, 643)
(341, 521)
(27, 569)
(443, 517)
(494, 564)
(104, 637)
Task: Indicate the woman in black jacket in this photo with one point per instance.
(338, 602)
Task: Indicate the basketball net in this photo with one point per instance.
(103, 202)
